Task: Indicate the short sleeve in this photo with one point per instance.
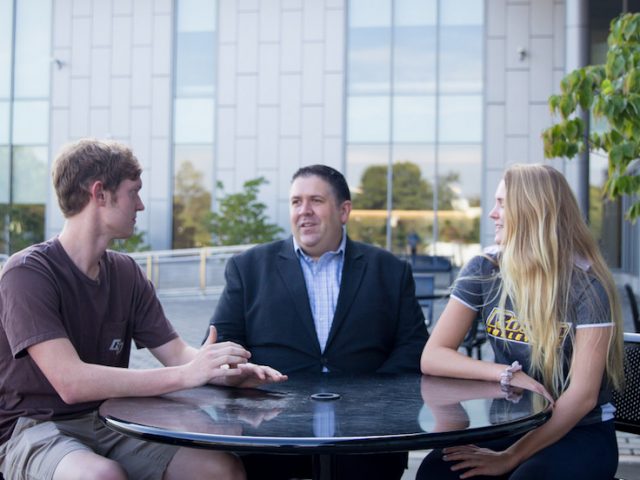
(470, 286)
(30, 308)
(592, 306)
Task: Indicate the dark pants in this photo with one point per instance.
(349, 467)
(587, 453)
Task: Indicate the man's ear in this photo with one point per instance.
(98, 192)
(345, 210)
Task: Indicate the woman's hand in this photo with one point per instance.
(524, 381)
(479, 461)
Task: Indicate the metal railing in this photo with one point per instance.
(189, 270)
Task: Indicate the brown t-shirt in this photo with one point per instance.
(43, 295)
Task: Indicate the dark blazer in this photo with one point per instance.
(378, 325)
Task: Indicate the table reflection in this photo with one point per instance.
(369, 413)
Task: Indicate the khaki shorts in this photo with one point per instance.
(37, 446)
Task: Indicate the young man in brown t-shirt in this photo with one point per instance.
(69, 310)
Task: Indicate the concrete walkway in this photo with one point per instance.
(190, 316)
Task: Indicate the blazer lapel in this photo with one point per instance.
(352, 275)
(291, 275)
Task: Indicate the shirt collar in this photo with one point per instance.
(339, 251)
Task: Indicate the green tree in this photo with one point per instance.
(410, 190)
(135, 243)
(191, 209)
(242, 217)
(611, 91)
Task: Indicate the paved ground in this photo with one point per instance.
(190, 315)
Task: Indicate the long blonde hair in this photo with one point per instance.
(544, 235)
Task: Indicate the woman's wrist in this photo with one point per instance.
(507, 374)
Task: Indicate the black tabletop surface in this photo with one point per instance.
(331, 414)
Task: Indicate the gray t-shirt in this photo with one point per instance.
(43, 296)
(478, 287)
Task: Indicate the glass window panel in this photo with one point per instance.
(414, 119)
(461, 60)
(6, 37)
(415, 12)
(369, 13)
(196, 64)
(33, 48)
(193, 181)
(459, 193)
(25, 226)
(462, 12)
(415, 60)
(194, 120)
(4, 123)
(30, 122)
(196, 15)
(368, 119)
(4, 174)
(366, 175)
(460, 118)
(30, 175)
(412, 196)
(369, 60)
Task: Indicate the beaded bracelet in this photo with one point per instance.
(507, 375)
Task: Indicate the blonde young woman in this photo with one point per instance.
(554, 324)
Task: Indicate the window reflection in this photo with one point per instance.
(368, 119)
(369, 56)
(434, 184)
(4, 122)
(30, 175)
(4, 175)
(33, 48)
(6, 32)
(461, 118)
(192, 192)
(194, 122)
(30, 121)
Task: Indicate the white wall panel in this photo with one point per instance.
(313, 20)
(100, 77)
(120, 106)
(291, 37)
(312, 73)
(62, 23)
(269, 21)
(495, 136)
(81, 47)
(517, 103)
(246, 163)
(541, 79)
(334, 41)
(248, 42)
(141, 77)
(227, 75)
(99, 122)
(226, 144)
(227, 22)
(542, 17)
(517, 150)
(143, 20)
(162, 40)
(312, 137)
(333, 104)
(247, 106)
(290, 105)
(101, 24)
(121, 53)
(495, 70)
(161, 107)
(268, 135)
(79, 111)
(141, 135)
(61, 79)
(517, 35)
(268, 75)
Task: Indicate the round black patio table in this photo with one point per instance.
(329, 414)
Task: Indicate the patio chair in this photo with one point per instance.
(627, 401)
(475, 338)
(425, 291)
(633, 304)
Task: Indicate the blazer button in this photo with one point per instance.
(324, 361)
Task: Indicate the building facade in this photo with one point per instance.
(422, 104)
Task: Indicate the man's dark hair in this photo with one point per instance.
(330, 175)
(88, 160)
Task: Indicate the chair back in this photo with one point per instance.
(627, 401)
(425, 288)
(633, 304)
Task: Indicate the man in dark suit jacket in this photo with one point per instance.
(319, 302)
